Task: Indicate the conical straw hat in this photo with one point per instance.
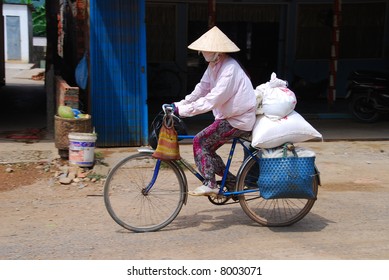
(214, 40)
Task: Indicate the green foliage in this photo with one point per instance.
(38, 15)
(18, 1)
(39, 21)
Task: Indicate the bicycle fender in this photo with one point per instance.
(238, 174)
(146, 150)
(317, 174)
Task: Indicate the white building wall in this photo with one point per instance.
(24, 13)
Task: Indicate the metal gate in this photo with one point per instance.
(118, 72)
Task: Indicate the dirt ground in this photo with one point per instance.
(16, 175)
(45, 220)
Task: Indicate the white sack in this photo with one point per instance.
(279, 152)
(278, 102)
(274, 99)
(268, 133)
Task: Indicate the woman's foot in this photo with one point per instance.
(204, 190)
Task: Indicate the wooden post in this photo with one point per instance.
(211, 13)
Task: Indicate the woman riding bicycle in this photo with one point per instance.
(226, 90)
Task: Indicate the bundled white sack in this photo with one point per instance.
(274, 99)
(268, 133)
(279, 152)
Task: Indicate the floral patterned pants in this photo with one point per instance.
(205, 144)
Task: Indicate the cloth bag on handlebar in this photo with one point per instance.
(167, 148)
(286, 177)
(156, 125)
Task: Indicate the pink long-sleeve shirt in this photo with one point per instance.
(226, 90)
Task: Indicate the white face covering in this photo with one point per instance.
(210, 56)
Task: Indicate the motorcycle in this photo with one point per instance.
(368, 92)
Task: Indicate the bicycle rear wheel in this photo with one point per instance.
(136, 209)
(270, 212)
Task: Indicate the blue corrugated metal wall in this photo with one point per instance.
(118, 85)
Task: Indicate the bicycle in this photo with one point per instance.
(143, 194)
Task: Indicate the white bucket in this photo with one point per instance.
(82, 148)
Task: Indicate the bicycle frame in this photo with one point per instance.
(199, 176)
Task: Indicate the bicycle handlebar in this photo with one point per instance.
(168, 109)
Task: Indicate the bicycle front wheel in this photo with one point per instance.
(141, 200)
(270, 212)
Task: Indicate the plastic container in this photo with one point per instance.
(82, 149)
(65, 126)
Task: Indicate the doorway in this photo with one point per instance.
(22, 95)
(13, 38)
